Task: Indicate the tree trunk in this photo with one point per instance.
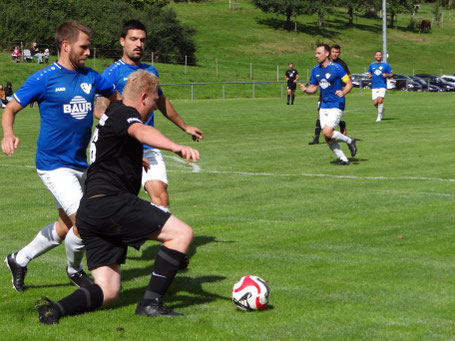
(392, 19)
(350, 16)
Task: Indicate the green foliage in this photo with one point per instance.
(31, 20)
(287, 8)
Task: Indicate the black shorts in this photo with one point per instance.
(292, 86)
(111, 223)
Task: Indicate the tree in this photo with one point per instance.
(37, 20)
(287, 8)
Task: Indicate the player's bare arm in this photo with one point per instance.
(10, 142)
(388, 75)
(168, 110)
(311, 89)
(154, 138)
(102, 103)
(347, 87)
(296, 79)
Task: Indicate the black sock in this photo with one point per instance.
(342, 126)
(167, 263)
(317, 130)
(83, 300)
(293, 96)
(288, 98)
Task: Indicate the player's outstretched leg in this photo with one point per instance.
(80, 301)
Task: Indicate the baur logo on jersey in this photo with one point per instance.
(78, 107)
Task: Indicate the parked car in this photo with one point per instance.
(426, 85)
(403, 82)
(358, 78)
(438, 81)
(449, 79)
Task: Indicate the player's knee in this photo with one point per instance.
(110, 292)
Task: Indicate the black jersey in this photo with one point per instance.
(115, 156)
(341, 62)
(291, 75)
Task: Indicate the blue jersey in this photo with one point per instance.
(65, 99)
(329, 79)
(118, 74)
(376, 70)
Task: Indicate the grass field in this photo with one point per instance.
(262, 201)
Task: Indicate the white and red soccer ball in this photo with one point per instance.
(250, 293)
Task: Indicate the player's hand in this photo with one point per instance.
(302, 87)
(187, 153)
(195, 132)
(339, 93)
(145, 164)
(9, 144)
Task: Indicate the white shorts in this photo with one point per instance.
(330, 117)
(379, 92)
(157, 169)
(66, 185)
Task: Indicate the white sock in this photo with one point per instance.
(380, 109)
(74, 252)
(337, 136)
(45, 240)
(335, 147)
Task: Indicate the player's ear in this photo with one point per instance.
(66, 46)
(122, 41)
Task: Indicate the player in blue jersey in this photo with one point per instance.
(379, 71)
(330, 77)
(65, 92)
(154, 177)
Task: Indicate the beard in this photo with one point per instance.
(76, 61)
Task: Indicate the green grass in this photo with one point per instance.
(266, 203)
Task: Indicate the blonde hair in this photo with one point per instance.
(138, 82)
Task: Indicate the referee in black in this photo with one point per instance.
(111, 217)
(335, 52)
(291, 76)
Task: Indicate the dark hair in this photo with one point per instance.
(132, 25)
(70, 31)
(336, 47)
(326, 47)
(378, 51)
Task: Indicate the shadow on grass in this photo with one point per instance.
(352, 161)
(150, 252)
(184, 292)
(55, 285)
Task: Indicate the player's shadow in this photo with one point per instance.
(150, 252)
(53, 285)
(184, 292)
(352, 161)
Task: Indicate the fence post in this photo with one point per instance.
(192, 85)
(216, 66)
(251, 71)
(277, 73)
(223, 93)
(281, 90)
(360, 87)
(94, 57)
(307, 75)
(186, 62)
(152, 58)
(253, 90)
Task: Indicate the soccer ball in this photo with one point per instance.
(250, 293)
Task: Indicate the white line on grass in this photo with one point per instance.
(331, 176)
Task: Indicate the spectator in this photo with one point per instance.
(8, 92)
(16, 55)
(46, 56)
(35, 53)
(3, 101)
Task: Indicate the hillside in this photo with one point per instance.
(247, 44)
